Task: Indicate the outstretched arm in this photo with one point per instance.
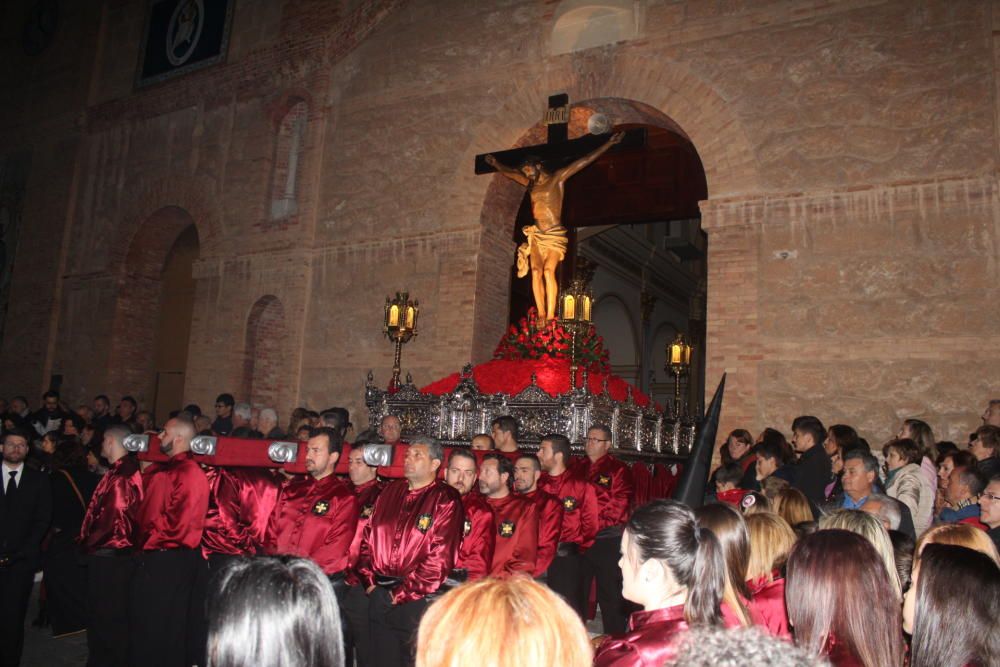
(586, 160)
(512, 174)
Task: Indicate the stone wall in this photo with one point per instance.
(850, 151)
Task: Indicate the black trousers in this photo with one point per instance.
(15, 589)
(108, 625)
(601, 562)
(160, 607)
(393, 629)
(565, 577)
(65, 575)
(357, 630)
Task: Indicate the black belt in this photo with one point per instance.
(384, 581)
(339, 582)
(456, 578)
(611, 531)
(567, 549)
(113, 553)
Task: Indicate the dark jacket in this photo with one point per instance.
(812, 474)
(25, 518)
(989, 467)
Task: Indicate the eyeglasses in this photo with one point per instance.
(598, 440)
(989, 495)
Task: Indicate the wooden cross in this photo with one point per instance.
(558, 150)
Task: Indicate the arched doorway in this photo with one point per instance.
(153, 311)
(635, 232)
(264, 361)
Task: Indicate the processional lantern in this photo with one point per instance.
(678, 363)
(575, 306)
(400, 326)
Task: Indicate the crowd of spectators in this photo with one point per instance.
(815, 548)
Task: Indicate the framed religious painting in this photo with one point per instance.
(181, 36)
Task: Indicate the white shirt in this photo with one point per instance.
(7, 469)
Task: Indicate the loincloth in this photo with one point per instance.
(554, 241)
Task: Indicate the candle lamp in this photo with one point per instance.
(678, 363)
(575, 306)
(400, 326)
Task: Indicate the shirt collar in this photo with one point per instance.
(8, 468)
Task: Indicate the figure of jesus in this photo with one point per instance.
(547, 238)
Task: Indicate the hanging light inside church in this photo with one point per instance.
(400, 326)
(678, 363)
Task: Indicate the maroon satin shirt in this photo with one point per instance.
(110, 519)
(612, 481)
(240, 502)
(767, 605)
(366, 494)
(550, 514)
(175, 501)
(478, 537)
(579, 504)
(413, 535)
(653, 639)
(315, 519)
(516, 549)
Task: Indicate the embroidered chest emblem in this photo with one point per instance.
(467, 528)
(604, 481)
(569, 503)
(506, 528)
(424, 522)
(321, 507)
(366, 511)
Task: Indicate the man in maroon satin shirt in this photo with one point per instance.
(407, 550)
(505, 429)
(169, 526)
(106, 538)
(579, 520)
(367, 486)
(527, 471)
(315, 516)
(475, 556)
(391, 430)
(516, 518)
(611, 480)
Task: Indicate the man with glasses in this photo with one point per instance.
(612, 483)
(989, 508)
(223, 424)
(25, 514)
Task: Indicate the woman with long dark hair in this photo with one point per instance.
(952, 610)
(273, 612)
(841, 604)
(729, 527)
(675, 570)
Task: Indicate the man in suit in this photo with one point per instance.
(25, 514)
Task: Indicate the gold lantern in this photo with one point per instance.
(400, 326)
(678, 363)
(575, 306)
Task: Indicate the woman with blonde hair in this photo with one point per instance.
(869, 527)
(793, 506)
(502, 623)
(771, 540)
(959, 535)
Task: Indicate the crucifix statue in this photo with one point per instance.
(546, 243)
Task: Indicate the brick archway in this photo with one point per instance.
(137, 301)
(502, 199)
(265, 362)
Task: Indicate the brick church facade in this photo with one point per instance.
(850, 151)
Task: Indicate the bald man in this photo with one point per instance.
(169, 526)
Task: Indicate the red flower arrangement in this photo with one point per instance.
(553, 341)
